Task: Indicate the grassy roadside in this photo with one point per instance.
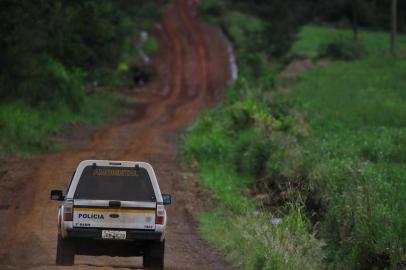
(26, 130)
(232, 145)
(326, 156)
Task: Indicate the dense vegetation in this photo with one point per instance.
(52, 52)
(352, 163)
(281, 20)
(312, 41)
(323, 151)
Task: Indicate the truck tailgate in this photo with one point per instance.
(130, 215)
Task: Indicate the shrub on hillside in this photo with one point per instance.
(341, 49)
(212, 7)
(51, 84)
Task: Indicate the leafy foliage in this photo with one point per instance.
(273, 23)
(50, 52)
(232, 146)
(48, 48)
(25, 129)
(371, 14)
(282, 19)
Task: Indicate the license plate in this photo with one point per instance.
(119, 235)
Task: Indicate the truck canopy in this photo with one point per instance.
(115, 183)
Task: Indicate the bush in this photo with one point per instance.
(232, 145)
(341, 49)
(48, 83)
(151, 45)
(212, 9)
(20, 123)
(26, 130)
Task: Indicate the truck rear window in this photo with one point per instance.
(115, 183)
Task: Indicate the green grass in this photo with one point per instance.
(27, 130)
(355, 156)
(311, 38)
(231, 146)
(254, 242)
(333, 146)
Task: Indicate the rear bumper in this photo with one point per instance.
(88, 241)
(96, 234)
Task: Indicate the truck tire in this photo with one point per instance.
(65, 252)
(153, 258)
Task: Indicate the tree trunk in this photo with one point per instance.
(354, 5)
(355, 21)
(393, 28)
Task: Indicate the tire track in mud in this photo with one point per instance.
(30, 230)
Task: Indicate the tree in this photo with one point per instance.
(393, 28)
(355, 20)
(282, 19)
(355, 7)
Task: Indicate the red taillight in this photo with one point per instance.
(68, 211)
(160, 215)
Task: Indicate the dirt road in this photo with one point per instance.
(192, 68)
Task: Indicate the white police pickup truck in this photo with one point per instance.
(112, 208)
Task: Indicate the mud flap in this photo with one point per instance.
(153, 258)
(65, 252)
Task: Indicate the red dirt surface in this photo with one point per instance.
(193, 69)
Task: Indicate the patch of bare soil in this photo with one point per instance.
(296, 67)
